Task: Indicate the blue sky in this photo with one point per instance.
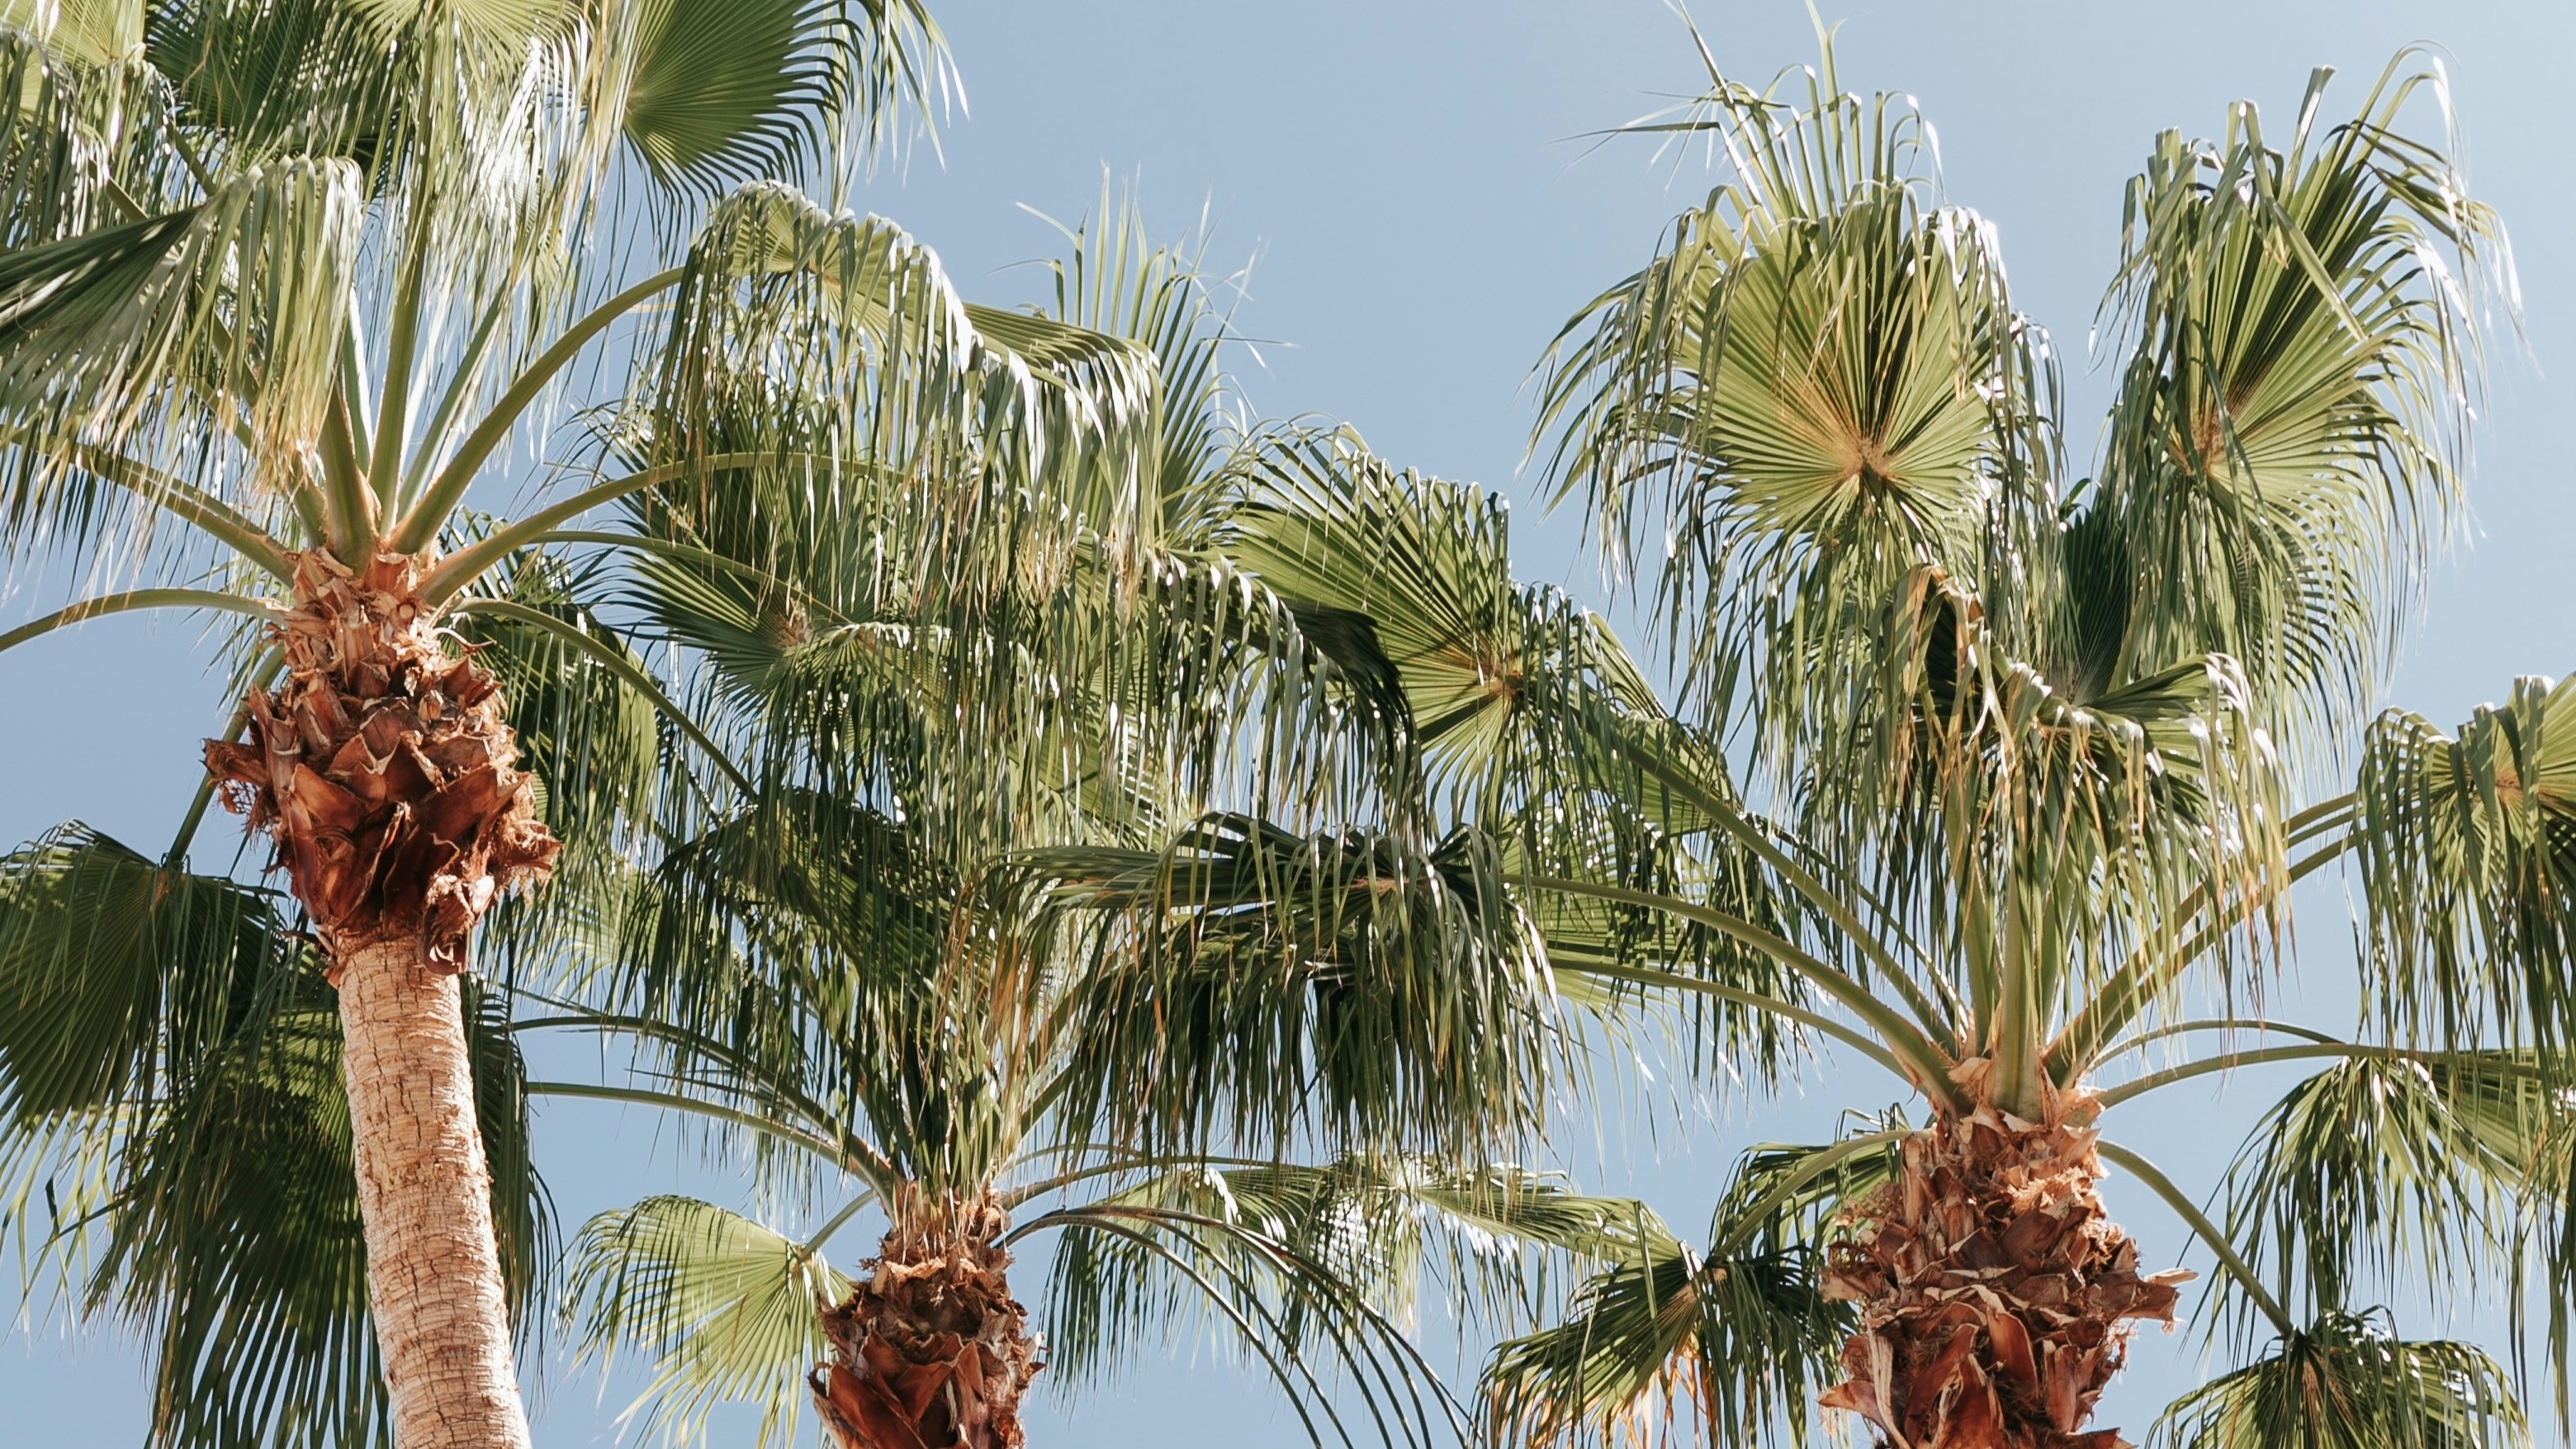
(1413, 188)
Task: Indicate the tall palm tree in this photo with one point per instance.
(2033, 763)
(283, 283)
(1001, 927)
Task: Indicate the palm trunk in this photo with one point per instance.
(383, 771)
(433, 1271)
(1996, 1299)
(931, 1351)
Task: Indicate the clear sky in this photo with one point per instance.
(1410, 182)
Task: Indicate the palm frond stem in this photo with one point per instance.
(690, 553)
(271, 663)
(190, 505)
(1732, 819)
(1085, 1218)
(429, 513)
(463, 566)
(2207, 1231)
(1922, 1060)
(460, 386)
(347, 502)
(1672, 981)
(2258, 1056)
(838, 1154)
(133, 599)
(1103, 1217)
(2141, 979)
(837, 1221)
(858, 1156)
(393, 401)
(615, 663)
(1752, 1219)
(353, 400)
(2140, 1041)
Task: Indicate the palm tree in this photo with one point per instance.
(999, 927)
(282, 283)
(2034, 763)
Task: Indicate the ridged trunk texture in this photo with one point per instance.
(433, 1272)
(931, 1351)
(383, 771)
(1996, 1299)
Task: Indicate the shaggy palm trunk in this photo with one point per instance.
(1996, 1300)
(383, 771)
(931, 1351)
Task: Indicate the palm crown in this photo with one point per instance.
(2030, 754)
(1100, 884)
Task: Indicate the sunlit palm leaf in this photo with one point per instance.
(2285, 447)
(86, 137)
(724, 1309)
(1738, 1344)
(1405, 583)
(130, 340)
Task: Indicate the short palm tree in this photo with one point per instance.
(283, 283)
(2034, 764)
(998, 928)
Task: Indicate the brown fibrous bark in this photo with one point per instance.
(1996, 1298)
(930, 1351)
(383, 768)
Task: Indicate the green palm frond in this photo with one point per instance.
(1148, 1260)
(235, 1238)
(592, 741)
(1820, 385)
(798, 332)
(2290, 426)
(2467, 851)
(2395, 1166)
(172, 1058)
(86, 137)
(95, 34)
(1248, 983)
(1739, 1344)
(724, 1309)
(1404, 582)
(790, 962)
(1738, 1338)
(232, 1233)
(2347, 1382)
(109, 959)
(1115, 280)
(721, 93)
(123, 342)
(1381, 1227)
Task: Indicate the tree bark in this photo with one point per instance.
(384, 771)
(433, 1272)
(1996, 1298)
(931, 1351)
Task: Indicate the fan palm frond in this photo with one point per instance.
(724, 1308)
